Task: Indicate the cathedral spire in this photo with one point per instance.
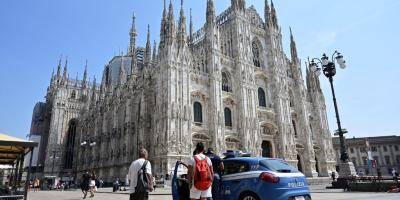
(122, 75)
(147, 55)
(191, 27)
(238, 5)
(154, 51)
(133, 35)
(59, 67)
(234, 4)
(274, 18)
(94, 85)
(65, 73)
(210, 12)
(182, 27)
(267, 13)
(171, 22)
(293, 48)
(94, 91)
(85, 75)
(52, 77)
(163, 25)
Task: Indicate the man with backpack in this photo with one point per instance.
(141, 180)
(218, 168)
(200, 174)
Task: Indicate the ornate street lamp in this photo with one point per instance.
(53, 157)
(328, 68)
(87, 145)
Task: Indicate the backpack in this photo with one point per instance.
(142, 180)
(202, 174)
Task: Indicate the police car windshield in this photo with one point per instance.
(278, 166)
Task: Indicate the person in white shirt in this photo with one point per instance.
(135, 167)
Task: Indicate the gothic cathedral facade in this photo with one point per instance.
(229, 85)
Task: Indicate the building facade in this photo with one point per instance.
(229, 85)
(385, 150)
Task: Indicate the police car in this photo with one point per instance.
(249, 178)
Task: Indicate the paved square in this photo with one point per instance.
(316, 195)
(77, 195)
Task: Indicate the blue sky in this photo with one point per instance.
(33, 35)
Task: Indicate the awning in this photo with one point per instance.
(12, 151)
(11, 148)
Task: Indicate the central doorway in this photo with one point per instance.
(299, 165)
(266, 149)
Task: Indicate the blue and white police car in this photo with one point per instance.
(250, 178)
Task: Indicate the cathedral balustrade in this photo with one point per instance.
(226, 60)
(266, 113)
(260, 71)
(198, 36)
(197, 124)
(224, 17)
(268, 128)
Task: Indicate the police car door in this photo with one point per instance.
(232, 180)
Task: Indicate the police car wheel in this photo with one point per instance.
(249, 196)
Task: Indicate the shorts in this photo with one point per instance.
(92, 183)
(197, 194)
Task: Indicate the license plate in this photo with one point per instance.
(296, 184)
(299, 198)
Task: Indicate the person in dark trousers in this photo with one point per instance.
(141, 167)
(218, 168)
(85, 184)
(379, 173)
(116, 185)
(395, 175)
(333, 175)
(347, 184)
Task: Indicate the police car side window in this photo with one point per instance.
(235, 167)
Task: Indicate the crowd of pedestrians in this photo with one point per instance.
(203, 168)
(204, 172)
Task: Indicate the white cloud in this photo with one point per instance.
(322, 40)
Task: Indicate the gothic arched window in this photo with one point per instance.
(228, 117)
(256, 54)
(261, 98)
(294, 128)
(198, 112)
(226, 83)
(73, 94)
(69, 152)
(291, 99)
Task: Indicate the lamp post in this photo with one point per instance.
(328, 68)
(54, 157)
(88, 144)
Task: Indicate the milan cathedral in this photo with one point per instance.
(229, 85)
